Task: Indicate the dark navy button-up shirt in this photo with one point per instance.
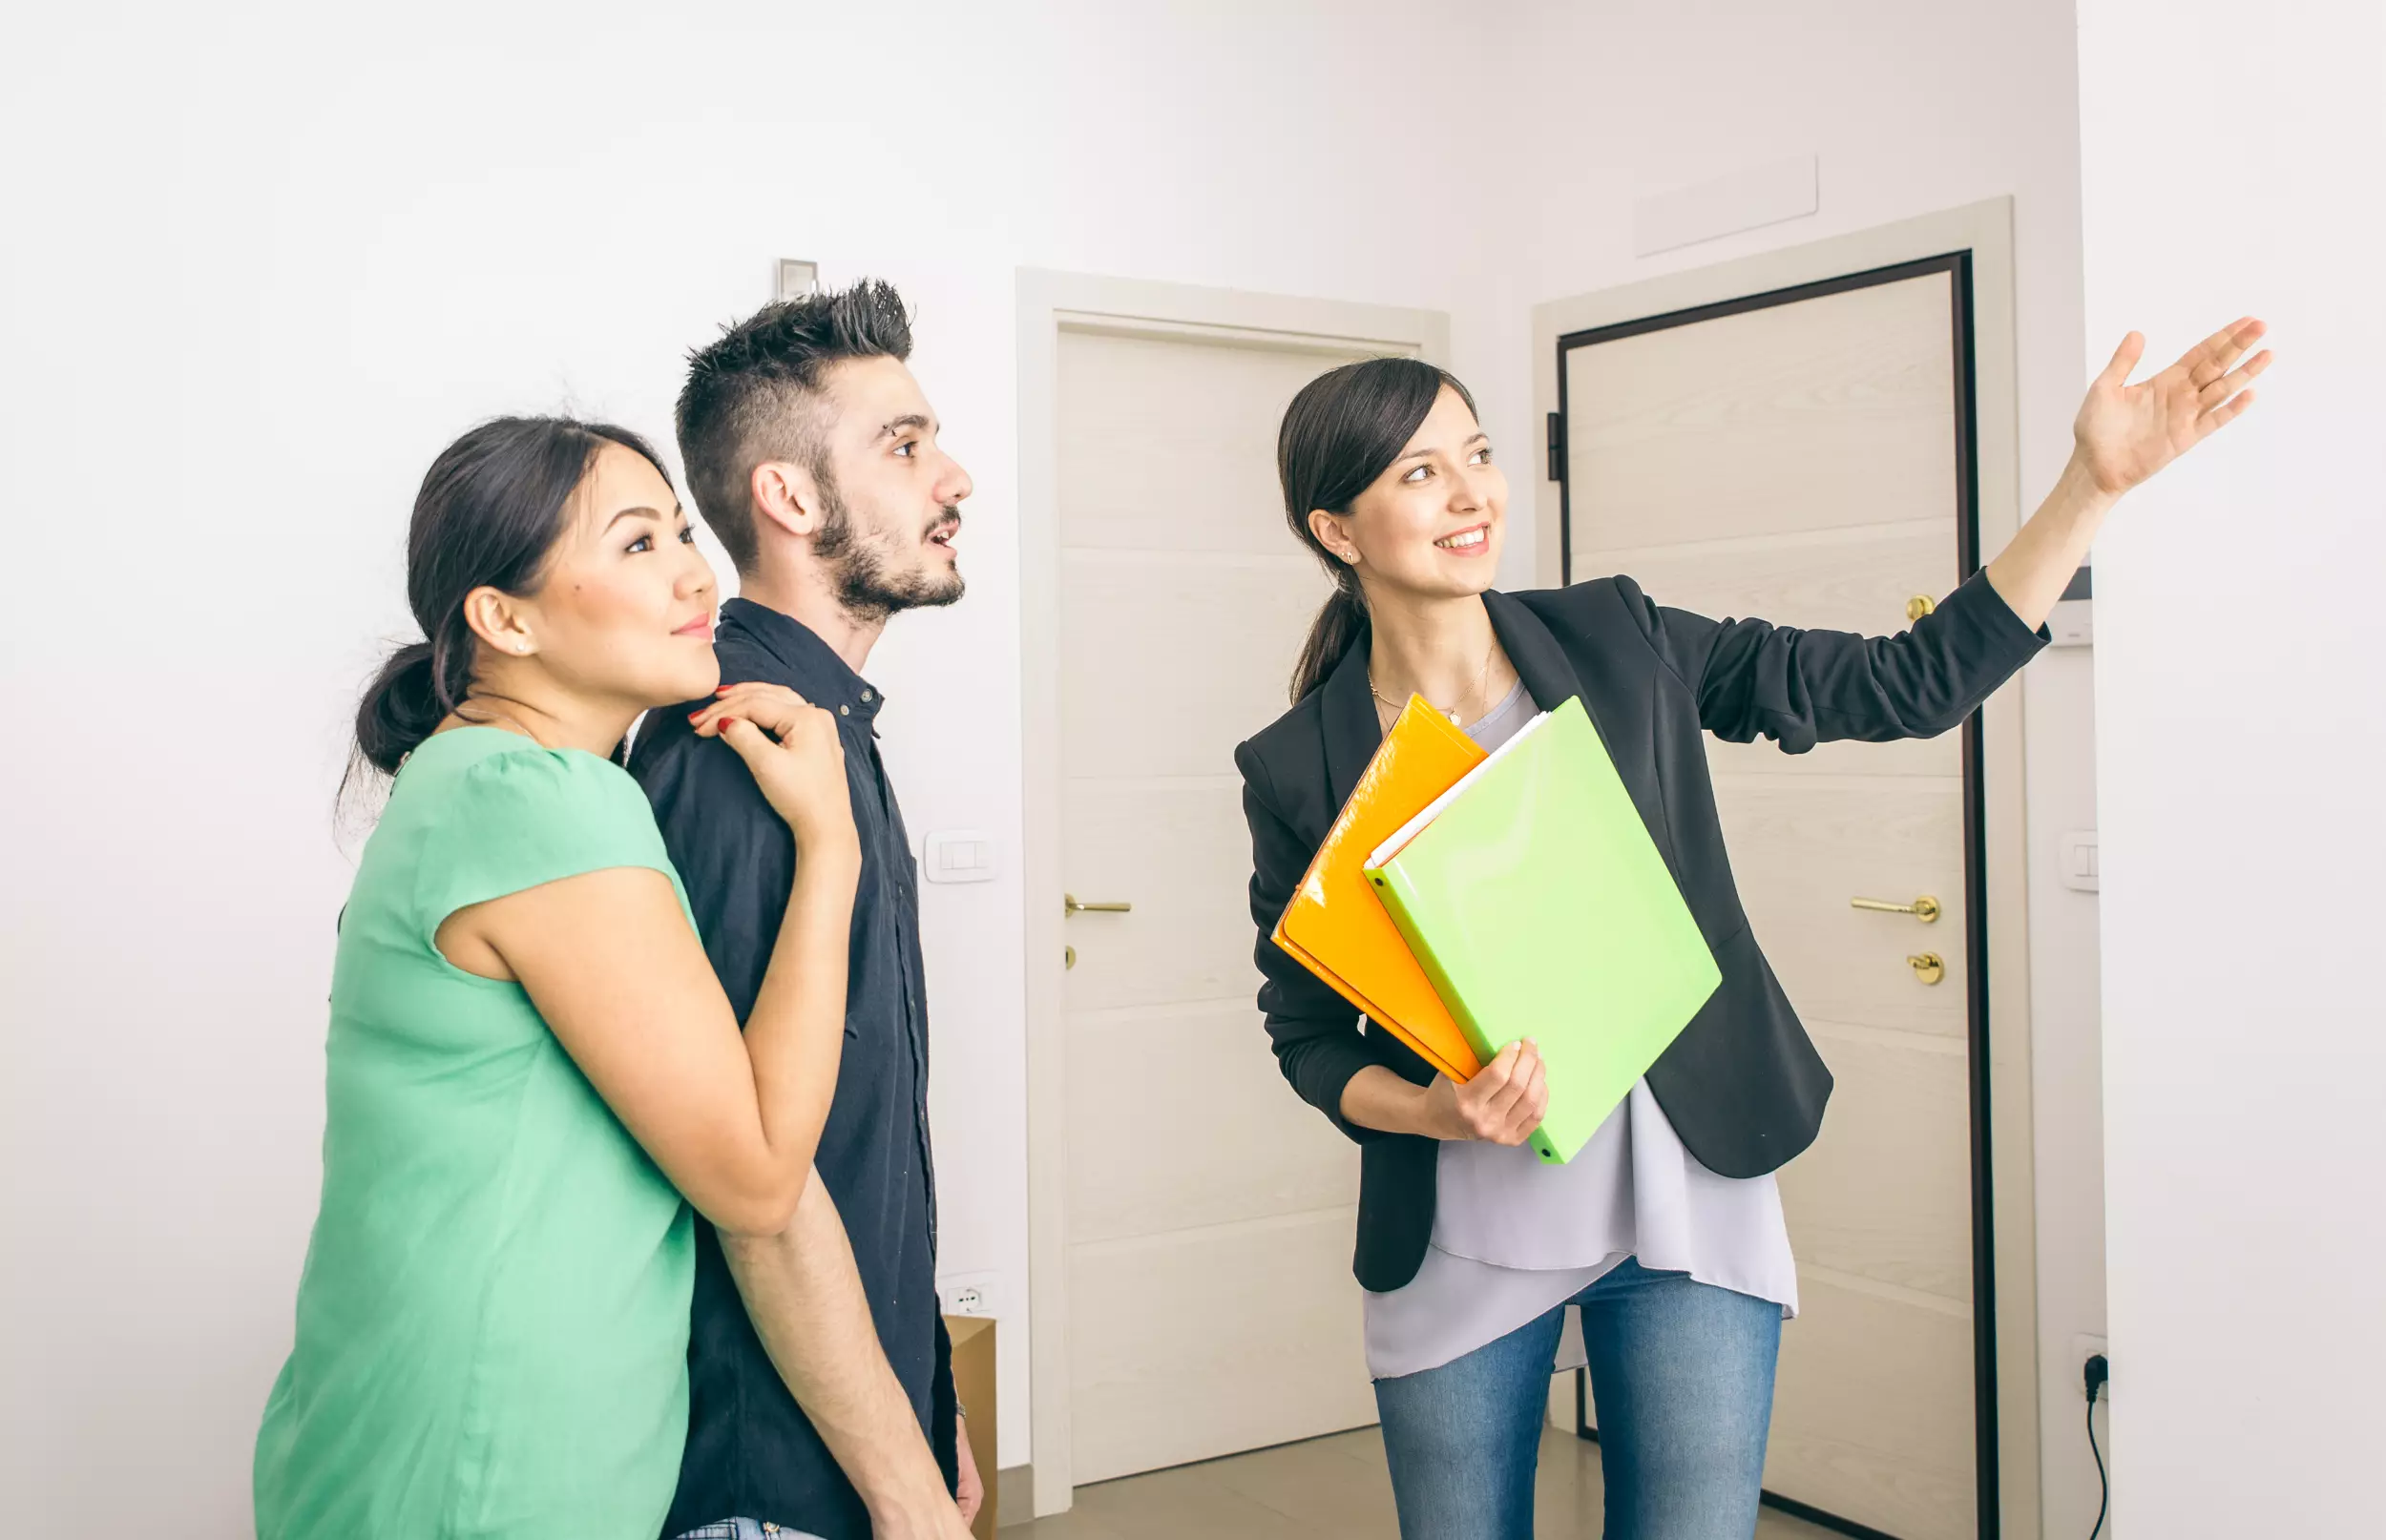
(751, 1453)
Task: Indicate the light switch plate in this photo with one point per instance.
(797, 279)
(960, 856)
(2078, 862)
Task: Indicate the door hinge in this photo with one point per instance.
(1557, 447)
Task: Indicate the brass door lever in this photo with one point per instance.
(1924, 908)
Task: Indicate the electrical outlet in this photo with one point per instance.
(967, 1294)
(2084, 1346)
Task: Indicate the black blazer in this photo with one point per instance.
(1742, 1085)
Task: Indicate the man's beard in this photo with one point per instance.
(871, 587)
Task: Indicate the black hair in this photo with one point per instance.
(756, 395)
(1343, 430)
(488, 516)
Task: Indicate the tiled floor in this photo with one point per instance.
(1330, 1489)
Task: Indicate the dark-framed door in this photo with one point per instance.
(1809, 453)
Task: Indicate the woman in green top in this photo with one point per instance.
(530, 1059)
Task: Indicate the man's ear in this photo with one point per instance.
(785, 492)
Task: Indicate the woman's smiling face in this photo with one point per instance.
(1430, 527)
(624, 611)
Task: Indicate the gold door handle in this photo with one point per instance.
(1069, 905)
(1924, 908)
(1929, 968)
(1920, 605)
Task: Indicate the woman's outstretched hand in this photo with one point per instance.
(2122, 435)
(2127, 432)
(1503, 1104)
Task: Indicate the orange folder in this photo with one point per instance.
(1335, 925)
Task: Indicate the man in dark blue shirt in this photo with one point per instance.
(819, 1388)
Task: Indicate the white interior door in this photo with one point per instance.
(1799, 462)
(1209, 1213)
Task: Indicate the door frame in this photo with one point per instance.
(1049, 303)
(2004, 1248)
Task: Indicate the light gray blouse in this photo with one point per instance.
(1514, 1237)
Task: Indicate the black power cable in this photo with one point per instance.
(2097, 1374)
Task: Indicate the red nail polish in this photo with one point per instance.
(695, 715)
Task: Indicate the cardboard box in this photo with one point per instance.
(974, 1383)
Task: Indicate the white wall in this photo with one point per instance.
(260, 268)
(1910, 109)
(261, 265)
(2230, 163)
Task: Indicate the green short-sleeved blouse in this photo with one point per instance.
(492, 1324)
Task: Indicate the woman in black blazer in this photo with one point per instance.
(1681, 1257)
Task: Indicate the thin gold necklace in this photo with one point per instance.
(1473, 692)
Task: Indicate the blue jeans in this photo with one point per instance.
(1682, 1375)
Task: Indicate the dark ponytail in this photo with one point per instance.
(490, 510)
(401, 707)
(1343, 431)
(1341, 624)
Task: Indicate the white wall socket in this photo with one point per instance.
(967, 1294)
